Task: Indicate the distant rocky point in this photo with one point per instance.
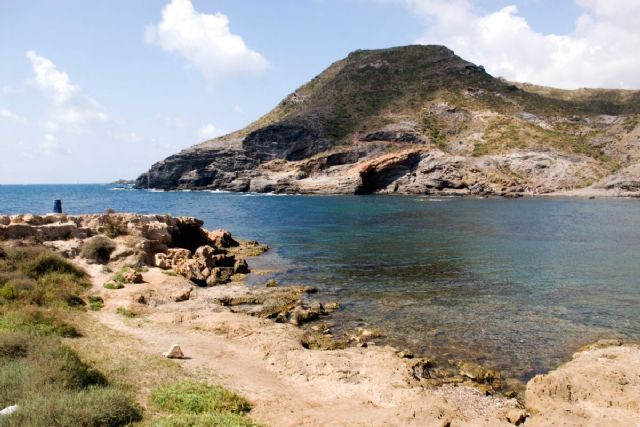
(421, 120)
(124, 182)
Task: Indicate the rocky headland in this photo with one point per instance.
(163, 281)
(421, 120)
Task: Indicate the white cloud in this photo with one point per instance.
(12, 117)
(205, 40)
(600, 51)
(238, 109)
(209, 131)
(71, 110)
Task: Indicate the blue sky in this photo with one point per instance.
(95, 91)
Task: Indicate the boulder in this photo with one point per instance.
(190, 269)
(162, 261)
(222, 239)
(175, 352)
(180, 295)
(132, 276)
(177, 254)
(219, 276)
(205, 256)
(224, 260)
(241, 267)
(516, 416)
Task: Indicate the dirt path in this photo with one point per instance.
(264, 361)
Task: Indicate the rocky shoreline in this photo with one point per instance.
(176, 274)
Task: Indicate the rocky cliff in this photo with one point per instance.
(421, 120)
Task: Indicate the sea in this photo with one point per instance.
(514, 284)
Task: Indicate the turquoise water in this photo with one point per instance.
(515, 284)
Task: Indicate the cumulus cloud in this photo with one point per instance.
(599, 51)
(12, 117)
(209, 131)
(205, 40)
(71, 109)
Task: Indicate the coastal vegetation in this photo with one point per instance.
(43, 366)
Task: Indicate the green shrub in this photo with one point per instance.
(125, 312)
(94, 406)
(169, 273)
(96, 303)
(53, 387)
(113, 285)
(98, 249)
(206, 420)
(46, 263)
(196, 398)
(113, 228)
(36, 321)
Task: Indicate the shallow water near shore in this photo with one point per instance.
(517, 285)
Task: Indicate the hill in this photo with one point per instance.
(421, 120)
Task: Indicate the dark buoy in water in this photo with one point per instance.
(57, 206)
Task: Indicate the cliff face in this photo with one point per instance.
(420, 120)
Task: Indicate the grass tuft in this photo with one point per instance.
(200, 404)
(98, 249)
(52, 386)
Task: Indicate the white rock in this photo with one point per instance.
(8, 410)
(175, 352)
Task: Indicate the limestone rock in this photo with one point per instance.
(516, 416)
(132, 276)
(162, 261)
(175, 352)
(599, 386)
(181, 294)
(219, 276)
(241, 267)
(190, 269)
(222, 239)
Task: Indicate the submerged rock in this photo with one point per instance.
(318, 341)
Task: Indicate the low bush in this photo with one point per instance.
(94, 406)
(52, 386)
(36, 321)
(37, 289)
(96, 303)
(98, 249)
(125, 312)
(196, 398)
(113, 285)
(206, 420)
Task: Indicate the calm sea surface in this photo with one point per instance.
(515, 284)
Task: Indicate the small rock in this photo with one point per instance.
(132, 277)
(161, 261)
(472, 370)
(175, 352)
(140, 299)
(331, 306)
(318, 341)
(516, 416)
(271, 284)
(9, 410)
(405, 354)
(181, 295)
(222, 239)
